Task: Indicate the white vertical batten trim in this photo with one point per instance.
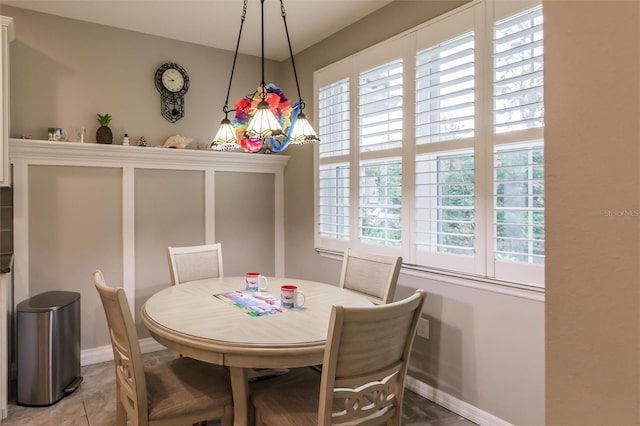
(20, 268)
(5, 284)
(210, 206)
(278, 255)
(129, 234)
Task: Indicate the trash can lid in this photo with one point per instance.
(48, 301)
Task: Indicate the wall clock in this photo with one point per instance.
(172, 81)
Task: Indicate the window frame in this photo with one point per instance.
(482, 265)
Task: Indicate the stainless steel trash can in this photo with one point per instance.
(48, 347)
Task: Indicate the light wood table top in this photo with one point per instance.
(190, 320)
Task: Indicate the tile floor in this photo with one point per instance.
(93, 404)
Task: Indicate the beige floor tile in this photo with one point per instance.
(93, 404)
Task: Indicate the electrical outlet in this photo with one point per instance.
(423, 328)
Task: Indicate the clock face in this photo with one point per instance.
(172, 80)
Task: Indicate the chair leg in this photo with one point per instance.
(121, 414)
(394, 421)
(258, 418)
(227, 419)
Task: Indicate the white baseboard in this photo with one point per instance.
(105, 353)
(453, 404)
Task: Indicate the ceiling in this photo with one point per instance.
(216, 23)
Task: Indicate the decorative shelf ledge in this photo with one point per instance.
(101, 155)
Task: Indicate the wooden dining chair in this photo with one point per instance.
(194, 262)
(365, 364)
(373, 275)
(181, 391)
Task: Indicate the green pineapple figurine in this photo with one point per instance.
(103, 134)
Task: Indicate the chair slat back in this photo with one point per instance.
(194, 262)
(366, 361)
(373, 275)
(130, 378)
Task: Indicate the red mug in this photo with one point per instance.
(289, 295)
(254, 280)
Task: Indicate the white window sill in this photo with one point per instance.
(479, 283)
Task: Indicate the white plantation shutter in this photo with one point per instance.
(445, 122)
(334, 119)
(445, 81)
(445, 200)
(519, 202)
(517, 72)
(381, 202)
(518, 153)
(380, 107)
(333, 200)
(380, 117)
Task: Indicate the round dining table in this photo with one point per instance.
(189, 319)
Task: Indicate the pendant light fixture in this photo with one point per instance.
(264, 131)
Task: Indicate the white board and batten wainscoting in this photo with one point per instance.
(80, 207)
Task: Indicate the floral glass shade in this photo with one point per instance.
(302, 131)
(226, 138)
(263, 123)
(247, 107)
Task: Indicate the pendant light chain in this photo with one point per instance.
(225, 109)
(295, 73)
(262, 84)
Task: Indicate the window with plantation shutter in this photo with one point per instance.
(518, 153)
(333, 178)
(445, 85)
(380, 103)
(334, 119)
(381, 202)
(517, 72)
(334, 201)
(445, 202)
(443, 163)
(445, 174)
(380, 113)
(519, 202)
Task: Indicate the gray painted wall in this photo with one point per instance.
(75, 227)
(486, 349)
(64, 72)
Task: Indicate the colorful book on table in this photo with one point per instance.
(253, 303)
